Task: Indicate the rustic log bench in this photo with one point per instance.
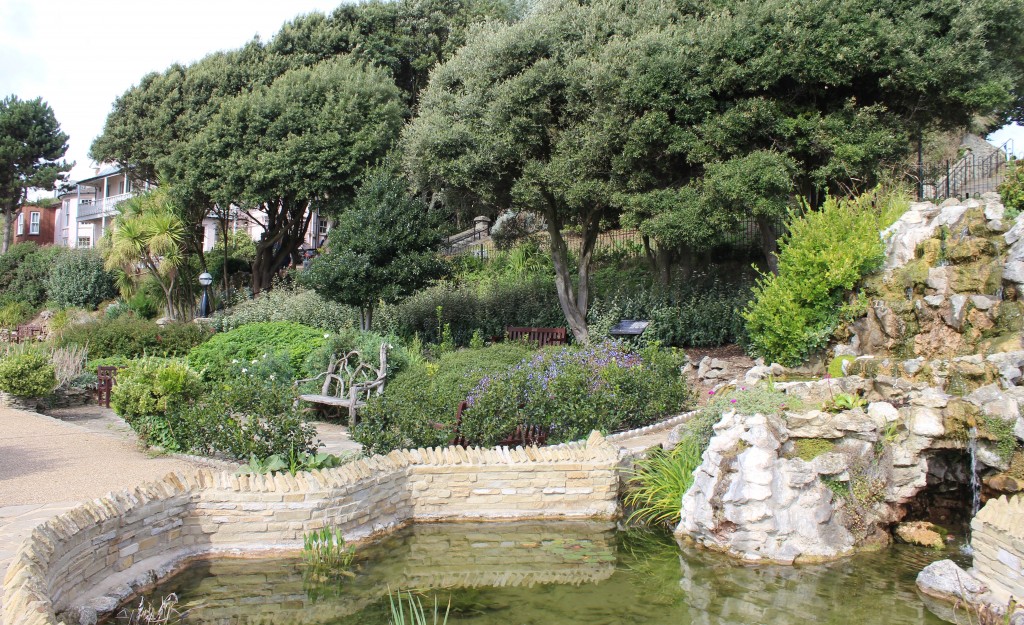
(524, 434)
(541, 336)
(349, 383)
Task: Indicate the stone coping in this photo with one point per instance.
(86, 561)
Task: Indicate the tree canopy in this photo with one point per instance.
(683, 119)
(31, 148)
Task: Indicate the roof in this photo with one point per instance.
(110, 170)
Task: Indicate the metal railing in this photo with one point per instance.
(971, 175)
(100, 207)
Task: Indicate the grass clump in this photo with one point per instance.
(325, 553)
(1000, 431)
(410, 611)
(810, 448)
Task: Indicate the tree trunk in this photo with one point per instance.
(283, 233)
(366, 318)
(8, 230)
(574, 302)
(769, 243)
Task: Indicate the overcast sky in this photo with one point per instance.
(79, 55)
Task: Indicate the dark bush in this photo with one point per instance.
(704, 311)
(247, 416)
(488, 307)
(425, 394)
(131, 337)
(25, 272)
(78, 278)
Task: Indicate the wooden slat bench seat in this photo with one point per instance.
(541, 336)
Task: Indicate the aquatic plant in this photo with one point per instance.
(410, 611)
(151, 614)
(324, 551)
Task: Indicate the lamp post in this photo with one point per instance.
(205, 279)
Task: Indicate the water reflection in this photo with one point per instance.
(558, 573)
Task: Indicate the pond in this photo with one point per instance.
(557, 573)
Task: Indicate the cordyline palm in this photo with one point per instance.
(147, 235)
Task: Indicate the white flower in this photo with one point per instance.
(254, 360)
(234, 361)
(244, 370)
(327, 336)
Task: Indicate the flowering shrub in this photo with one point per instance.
(424, 394)
(573, 390)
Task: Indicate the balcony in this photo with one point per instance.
(100, 207)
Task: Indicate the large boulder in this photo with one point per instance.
(751, 502)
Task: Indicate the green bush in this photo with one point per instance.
(822, 258)
(573, 390)
(25, 272)
(14, 314)
(78, 278)
(1012, 191)
(131, 337)
(429, 393)
(27, 374)
(285, 303)
(246, 416)
(253, 341)
(146, 390)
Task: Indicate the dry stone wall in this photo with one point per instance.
(997, 536)
(85, 562)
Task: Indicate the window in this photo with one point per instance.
(21, 224)
(84, 241)
(33, 224)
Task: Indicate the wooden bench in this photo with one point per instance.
(28, 332)
(541, 336)
(349, 383)
(524, 434)
(106, 377)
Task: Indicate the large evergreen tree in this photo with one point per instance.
(685, 118)
(31, 148)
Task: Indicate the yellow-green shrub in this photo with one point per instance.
(822, 258)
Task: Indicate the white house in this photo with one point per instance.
(87, 211)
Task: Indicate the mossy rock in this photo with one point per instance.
(977, 277)
(869, 368)
(835, 368)
(929, 252)
(1010, 317)
(960, 416)
(913, 275)
(971, 249)
(810, 448)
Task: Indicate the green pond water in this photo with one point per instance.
(556, 573)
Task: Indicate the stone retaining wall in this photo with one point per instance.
(86, 561)
(997, 536)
